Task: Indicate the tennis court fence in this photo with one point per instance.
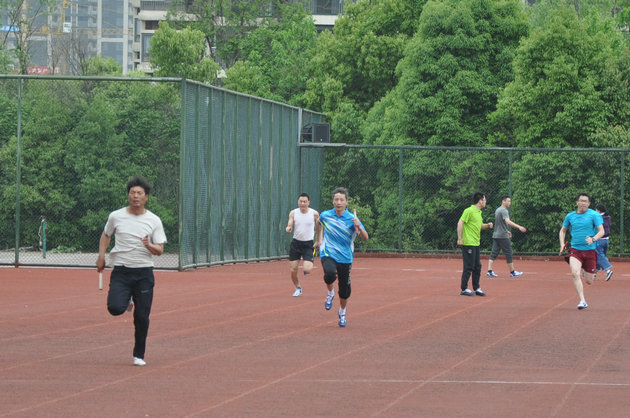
(411, 197)
(227, 168)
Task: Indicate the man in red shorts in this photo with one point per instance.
(586, 228)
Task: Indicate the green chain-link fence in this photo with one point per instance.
(410, 198)
(67, 148)
(227, 168)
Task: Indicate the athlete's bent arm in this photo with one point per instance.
(290, 223)
(561, 235)
(600, 233)
(363, 233)
(155, 249)
(514, 225)
(460, 229)
(320, 235)
(102, 247)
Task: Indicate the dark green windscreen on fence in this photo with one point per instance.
(225, 168)
(241, 174)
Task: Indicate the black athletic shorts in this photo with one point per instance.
(301, 249)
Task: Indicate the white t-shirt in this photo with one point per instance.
(303, 225)
(128, 230)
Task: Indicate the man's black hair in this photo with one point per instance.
(139, 181)
(583, 194)
(477, 197)
(341, 190)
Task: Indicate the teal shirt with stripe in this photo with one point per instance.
(338, 237)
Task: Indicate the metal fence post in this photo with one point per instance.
(400, 197)
(621, 200)
(182, 150)
(42, 236)
(18, 175)
(511, 160)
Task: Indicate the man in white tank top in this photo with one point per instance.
(139, 235)
(302, 223)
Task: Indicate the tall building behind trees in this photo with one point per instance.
(59, 36)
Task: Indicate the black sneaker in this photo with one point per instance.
(466, 292)
(479, 292)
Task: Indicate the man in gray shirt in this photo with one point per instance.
(501, 237)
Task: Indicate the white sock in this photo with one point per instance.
(331, 292)
(342, 311)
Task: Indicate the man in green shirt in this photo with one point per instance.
(469, 238)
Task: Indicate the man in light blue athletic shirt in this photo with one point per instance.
(336, 230)
(586, 228)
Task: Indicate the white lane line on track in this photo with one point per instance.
(467, 382)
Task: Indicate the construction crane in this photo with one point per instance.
(62, 16)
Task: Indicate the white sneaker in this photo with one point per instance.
(582, 305)
(329, 301)
(137, 361)
(298, 292)
(342, 320)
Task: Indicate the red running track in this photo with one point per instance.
(231, 341)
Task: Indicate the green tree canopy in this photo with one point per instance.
(224, 23)
(181, 54)
(5, 60)
(274, 56)
(358, 61)
(101, 66)
(558, 96)
(452, 72)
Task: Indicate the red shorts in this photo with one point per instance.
(588, 259)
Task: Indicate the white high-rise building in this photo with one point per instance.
(148, 14)
(77, 30)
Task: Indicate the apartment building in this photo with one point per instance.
(120, 29)
(148, 14)
(74, 30)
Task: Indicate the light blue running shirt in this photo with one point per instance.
(339, 235)
(583, 225)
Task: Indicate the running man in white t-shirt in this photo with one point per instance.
(302, 223)
(139, 235)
